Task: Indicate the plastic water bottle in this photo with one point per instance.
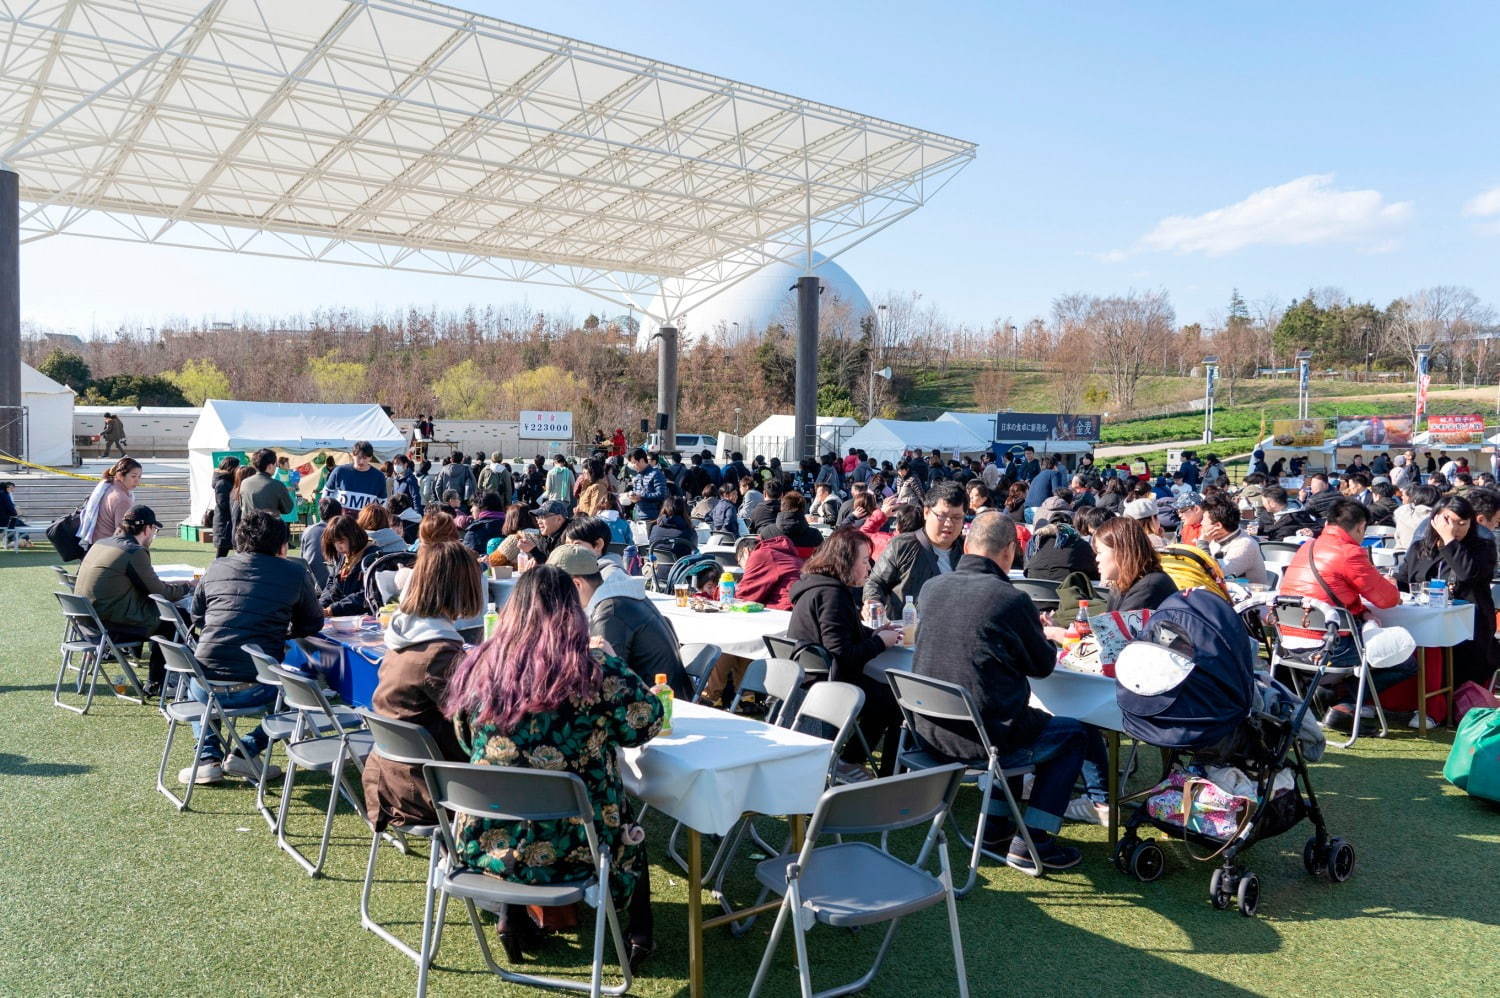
(727, 587)
(909, 623)
(664, 694)
(1437, 592)
(491, 620)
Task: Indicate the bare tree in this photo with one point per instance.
(1439, 316)
(1128, 332)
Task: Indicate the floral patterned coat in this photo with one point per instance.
(580, 737)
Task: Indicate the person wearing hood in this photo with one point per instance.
(825, 611)
(770, 571)
(404, 482)
(224, 477)
(1189, 509)
(610, 513)
(1056, 551)
(1258, 463)
(792, 524)
(620, 613)
(422, 647)
(487, 525)
(724, 515)
(671, 527)
(376, 522)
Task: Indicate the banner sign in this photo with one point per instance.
(1375, 431)
(1299, 432)
(1468, 429)
(1045, 426)
(1302, 369)
(539, 424)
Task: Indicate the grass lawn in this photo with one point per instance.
(108, 890)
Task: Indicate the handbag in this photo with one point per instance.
(1474, 763)
(1470, 696)
(63, 533)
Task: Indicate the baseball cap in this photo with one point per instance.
(552, 507)
(575, 559)
(1187, 501)
(143, 515)
(1140, 509)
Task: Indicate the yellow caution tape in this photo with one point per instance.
(85, 478)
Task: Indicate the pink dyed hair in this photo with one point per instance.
(537, 659)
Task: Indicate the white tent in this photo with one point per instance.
(49, 418)
(982, 425)
(772, 437)
(293, 428)
(887, 439)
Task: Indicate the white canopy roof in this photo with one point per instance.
(886, 439)
(412, 135)
(981, 424)
(782, 426)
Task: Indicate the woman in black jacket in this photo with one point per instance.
(791, 523)
(1454, 550)
(825, 611)
(671, 527)
(223, 515)
(348, 550)
(1130, 566)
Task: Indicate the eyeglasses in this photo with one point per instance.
(946, 517)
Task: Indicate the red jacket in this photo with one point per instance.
(1347, 569)
(769, 573)
(874, 528)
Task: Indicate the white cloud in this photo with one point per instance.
(1484, 205)
(1301, 212)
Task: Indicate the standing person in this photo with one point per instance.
(648, 489)
(311, 547)
(289, 478)
(113, 434)
(358, 484)
(457, 476)
(423, 648)
(911, 559)
(117, 577)
(348, 549)
(242, 475)
(535, 693)
(404, 482)
(617, 443)
(112, 498)
(421, 436)
(261, 490)
(325, 466)
(1045, 483)
(255, 596)
(224, 477)
(560, 481)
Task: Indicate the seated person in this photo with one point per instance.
(619, 527)
(671, 527)
(1456, 548)
(593, 532)
(1383, 507)
(764, 514)
(376, 523)
(311, 547)
(825, 505)
(983, 634)
(770, 571)
(791, 523)
(488, 523)
(117, 577)
(707, 499)
(1130, 566)
(1056, 551)
(518, 519)
(1318, 495)
(910, 559)
(1235, 550)
(1189, 509)
(724, 515)
(551, 520)
(347, 547)
(422, 648)
(256, 596)
(1278, 523)
(405, 518)
(436, 527)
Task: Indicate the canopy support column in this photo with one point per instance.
(805, 398)
(12, 423)
(666, 387)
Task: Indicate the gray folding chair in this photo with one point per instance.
(183, 666)
(813, 658)
(330, 753)
(412, 745)
(504, 793)
(85, 635)
(949, 705)
(1315, 615)
(699, 661)
(1043, 592)
(182, 630)
(68, 579)
(853, 884)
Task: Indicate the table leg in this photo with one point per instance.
(1112, 743)
(1448, 685)
(695, 913)
(1421, 693)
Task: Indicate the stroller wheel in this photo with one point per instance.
(1148, 861)
(1312, 857)
(1124, 853)
(1217, 892)
(1340, 860)
(1249, 894)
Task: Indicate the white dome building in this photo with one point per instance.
(768, 298)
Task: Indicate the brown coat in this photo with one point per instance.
(412, 682)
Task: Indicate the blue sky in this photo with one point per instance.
(1195, 148)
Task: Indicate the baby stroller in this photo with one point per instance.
(1236, 746)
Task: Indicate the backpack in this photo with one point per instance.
(1192, 568)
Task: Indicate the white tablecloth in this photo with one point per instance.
(716, 766)
(176, 573)
(735, 633)
(1089, 698)
(1430, 626)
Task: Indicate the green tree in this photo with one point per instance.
(337, 380)
(67, 369)
(464, 392)
(134, 389)
(546, 387)
(200, 380)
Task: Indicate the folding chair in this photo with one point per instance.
(184, 666)
(67, 579)
(85, 635)
(699, 660)
(504, 793)
(182, 630)
(328, 753)
(950, 706)
(1305, 655)
(721, 537)
(412, 744)
(853, 884)
(1043, 592)
(814, 658)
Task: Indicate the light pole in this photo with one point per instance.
(737, 411)
(1304, 361)
(1015, 348)
(1211, 373)
(880, 320)
(1424, 362)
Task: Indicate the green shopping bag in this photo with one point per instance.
(1474, 763)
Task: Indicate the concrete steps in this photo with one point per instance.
(42, 498)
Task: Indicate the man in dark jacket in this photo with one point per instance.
(792, 524)
(647, 489)
(764, 514)
(260, 490)
(255, 596)
(980, 632)
(1276, 522)
(1056, 551)
(910, 560)
(696, 479)
(1046, 483)
(620, 613)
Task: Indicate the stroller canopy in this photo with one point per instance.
(1188, 679)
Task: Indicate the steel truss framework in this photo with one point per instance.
(413, 136)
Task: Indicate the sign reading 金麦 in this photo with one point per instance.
(1045, 426)
(1465, 429)
(538, 424)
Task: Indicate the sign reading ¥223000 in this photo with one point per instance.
(539, 424)
(1045, 426)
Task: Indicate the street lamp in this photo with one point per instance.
(1015, 348)
(737, 411)
(1424, 360)
(1211, 373)
(880, 330)
(884, 372)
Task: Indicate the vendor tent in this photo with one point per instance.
(291, 428)
(888, 439)
(982, 425)
(49, 418)
(772, 437)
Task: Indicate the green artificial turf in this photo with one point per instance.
(109, 890)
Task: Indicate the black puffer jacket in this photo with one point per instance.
(252, 599)
(824, 611)
(795, 528)
(1055, 552)
(344, 596)
(223, 485)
